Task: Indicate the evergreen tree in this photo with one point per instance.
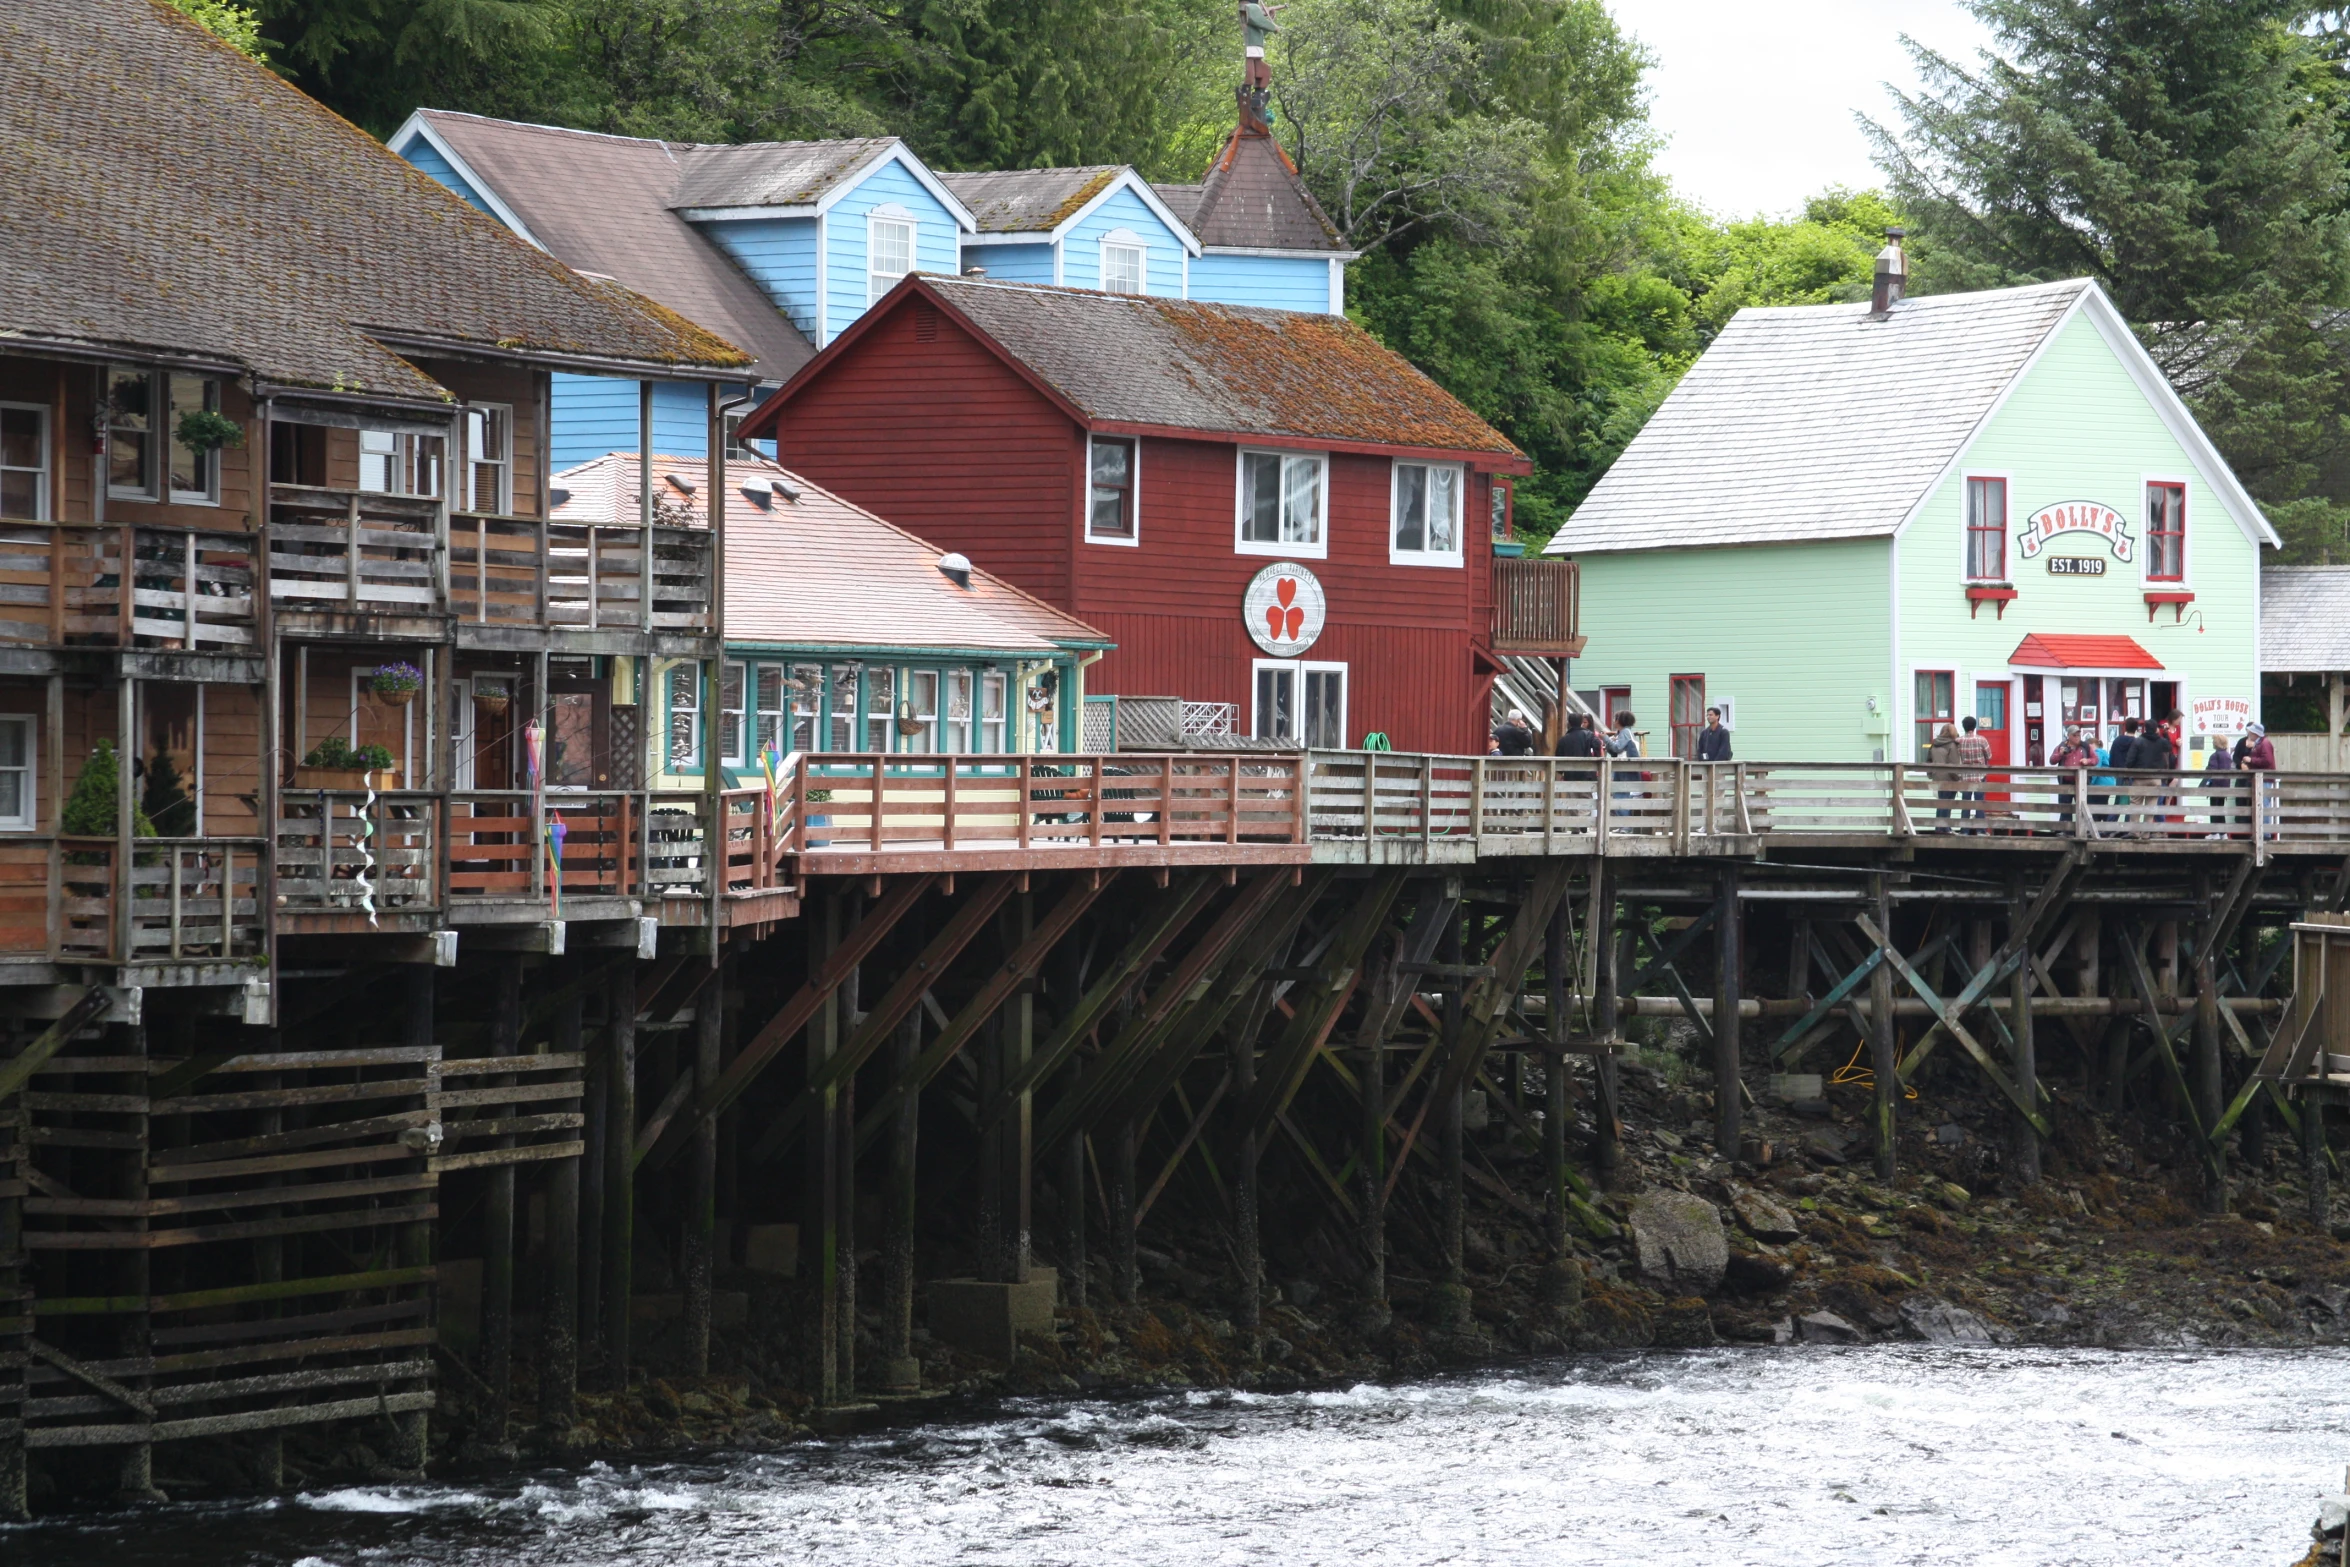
(2187, 154)
(90, 805)
(165, 800)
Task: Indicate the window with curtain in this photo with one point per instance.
(1986, 530)
(2166, 533)
(1109, 512)
(730, 713)
(1426, 513)
(1280, 500)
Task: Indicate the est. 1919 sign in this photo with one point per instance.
(2076, 566)
(1283, 609)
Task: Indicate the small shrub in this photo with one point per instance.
(332, 753)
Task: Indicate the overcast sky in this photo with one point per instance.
(1755, 100)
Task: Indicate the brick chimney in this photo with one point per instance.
(1892, 273)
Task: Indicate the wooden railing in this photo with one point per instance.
(631, 843)
(342, 850)
(868, 802)
(1537, 606)
(354, 551)
(191, 898)
(62, 585)
(528, 571)
(1525, 804)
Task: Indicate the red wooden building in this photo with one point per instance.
(1264, 508)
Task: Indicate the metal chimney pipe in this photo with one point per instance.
(1892, 273)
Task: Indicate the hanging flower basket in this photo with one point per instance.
(397, 684)
(493, 703)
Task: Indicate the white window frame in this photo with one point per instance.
(29, 817)
(992, 732)
(409, 455)
(1299, 669)
(1133, 537)
(1397, 555)
(894, 217)
(44, 482)
(882, 710)
(1130, 243)
(502, 503)
(2184, 582)
(167, 438)
(2007, 542)
(768, 723)
(733, 722)
(1319, 549)
(926, 739)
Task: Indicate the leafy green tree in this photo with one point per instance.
(2187, 154)
(237, 26)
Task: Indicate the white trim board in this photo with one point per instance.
(417, 128)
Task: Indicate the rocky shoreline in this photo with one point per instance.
(1687, 1250)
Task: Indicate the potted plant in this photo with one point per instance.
(207, 430)
(397, 683)
(333, 764)
(491, 701)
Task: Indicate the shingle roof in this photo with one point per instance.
(822, 572)
(770, 173)
(164, 192)
(2077, 650)
(1027, 201)
(1815, 422)
(602, 203)
(1128, 359)
(2304, 618)
(1252, 199)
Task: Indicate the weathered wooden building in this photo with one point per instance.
(290, 654)
(1263, 508)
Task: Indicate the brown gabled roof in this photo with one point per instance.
(1252, 199)
(603, 204)
(165, 193)
(821, 572)
(1130, 360)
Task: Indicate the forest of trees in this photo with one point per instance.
(1492, 161)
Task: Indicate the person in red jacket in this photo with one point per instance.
(2255, 755)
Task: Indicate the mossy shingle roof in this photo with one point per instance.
(164, 193)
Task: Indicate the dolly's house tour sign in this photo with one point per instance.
(1283, 609)
(2075, 517)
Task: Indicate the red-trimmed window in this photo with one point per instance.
(2166, 533)
(1936, 704)
(1986, 530)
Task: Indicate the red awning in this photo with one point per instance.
(2051, 650)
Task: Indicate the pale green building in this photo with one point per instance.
(1847, 527)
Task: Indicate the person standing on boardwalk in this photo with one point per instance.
(1974, 753)
(1515, 736)
(1942, 758)
(1713, 741)
(1580, 738)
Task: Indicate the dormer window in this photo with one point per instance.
(1125, 267)
(889, 252)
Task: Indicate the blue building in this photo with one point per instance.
(779, 246)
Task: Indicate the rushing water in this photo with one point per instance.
(1878, 1455)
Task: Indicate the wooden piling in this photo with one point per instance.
(1016, 1127)
(1247, 1243)
(2313, 1163)
(2210, 1071)
(701, 1210)
(411, 1446)
(15, 1286)
(135, 1479)
(1728, 1119)
(900, 1371)
(1452, 1307)
(559, 1283)
(1125, 1271)
(820, 1169)
(1554, 1083)
(2023, 1137)
(1613, 951)
(1884, 1057)
(844, 1182)
(497, 1257)
(620, 1121)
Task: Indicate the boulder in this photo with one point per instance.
(1939, 1322)
(1679, 1242)
(1762, 1218)
(2333, 1513)
(1825, 1327)
(1750, 1274)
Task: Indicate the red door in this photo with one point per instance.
(1991, 724)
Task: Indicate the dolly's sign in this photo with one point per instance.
(2075, 517)
(2219, 715)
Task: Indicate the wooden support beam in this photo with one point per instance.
(1947, 1013)
(1317, 1013)
(1016, 971)
(1488, 998)
(15, 1073)
(786, 1024)
(2142, 977)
